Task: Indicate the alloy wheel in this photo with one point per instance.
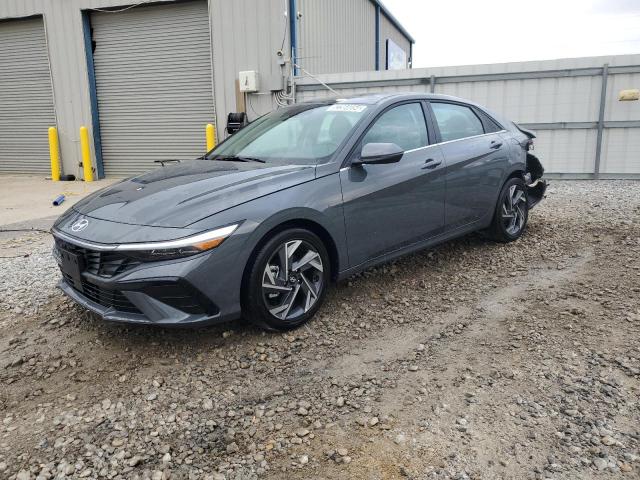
(292, 280)
(513, 210)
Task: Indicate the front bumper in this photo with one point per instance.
(131, 306)
(194, 291)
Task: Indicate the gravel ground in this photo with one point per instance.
(471, 360)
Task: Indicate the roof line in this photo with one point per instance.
(393, 20)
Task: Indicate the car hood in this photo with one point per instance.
(181, 194)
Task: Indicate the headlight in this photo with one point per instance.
(178, 248)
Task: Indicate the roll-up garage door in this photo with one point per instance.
(153, 83)
(26, 98)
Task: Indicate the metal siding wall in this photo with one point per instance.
(620, 150)
(621, 146)
(566, 151)
(388, 30)
(336, 35)
(246, 36)
(247, 33)
(26, 97)
(544, 100)
(153, 79)
(616, 110)
(551, 99)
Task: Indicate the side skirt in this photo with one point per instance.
(422, 245)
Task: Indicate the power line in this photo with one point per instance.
(105, 10)
(315, 78)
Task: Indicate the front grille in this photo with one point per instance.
(107, 298)
(104, 264)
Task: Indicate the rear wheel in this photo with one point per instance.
(288, 280)
(512, 211)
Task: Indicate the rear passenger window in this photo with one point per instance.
(490, 125)
(403, 125)
(456, 121)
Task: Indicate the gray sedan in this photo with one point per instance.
(307, 194)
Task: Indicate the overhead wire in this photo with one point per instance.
(281, 98)
(106, 10)
(286, 28)
(315, 78)
(248, 97)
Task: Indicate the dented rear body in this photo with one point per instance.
(536, 186)
(529, 166)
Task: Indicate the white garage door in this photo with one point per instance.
(26, 98)
(154, 85)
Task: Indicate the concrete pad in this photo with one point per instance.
(26, 198)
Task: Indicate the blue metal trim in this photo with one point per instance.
(377, 37)
(93, 95)
(293, 34)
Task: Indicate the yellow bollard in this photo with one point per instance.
(211, 137)
(54, 153)
(86, 155)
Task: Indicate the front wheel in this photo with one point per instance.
(287, 281)
(512, 211)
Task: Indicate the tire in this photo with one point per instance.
(277, 298)
(511, 213)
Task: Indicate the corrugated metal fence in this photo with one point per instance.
(572, 104)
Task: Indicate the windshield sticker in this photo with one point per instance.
(346, 107)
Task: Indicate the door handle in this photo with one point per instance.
(430, 164)
(495, 145)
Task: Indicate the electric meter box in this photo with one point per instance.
(249, 81)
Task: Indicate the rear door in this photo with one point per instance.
(476, 157)
(388, 207)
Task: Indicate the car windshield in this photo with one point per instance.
(300, 134)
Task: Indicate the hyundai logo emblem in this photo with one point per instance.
(80, 225)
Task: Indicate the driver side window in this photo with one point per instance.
(403, 125)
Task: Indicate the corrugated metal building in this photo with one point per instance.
(572, 104)
(347, 36)
(145, 77)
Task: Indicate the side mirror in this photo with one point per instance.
(378, 153)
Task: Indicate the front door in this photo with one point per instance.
(391, 206)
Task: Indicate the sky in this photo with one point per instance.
(464, 32)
